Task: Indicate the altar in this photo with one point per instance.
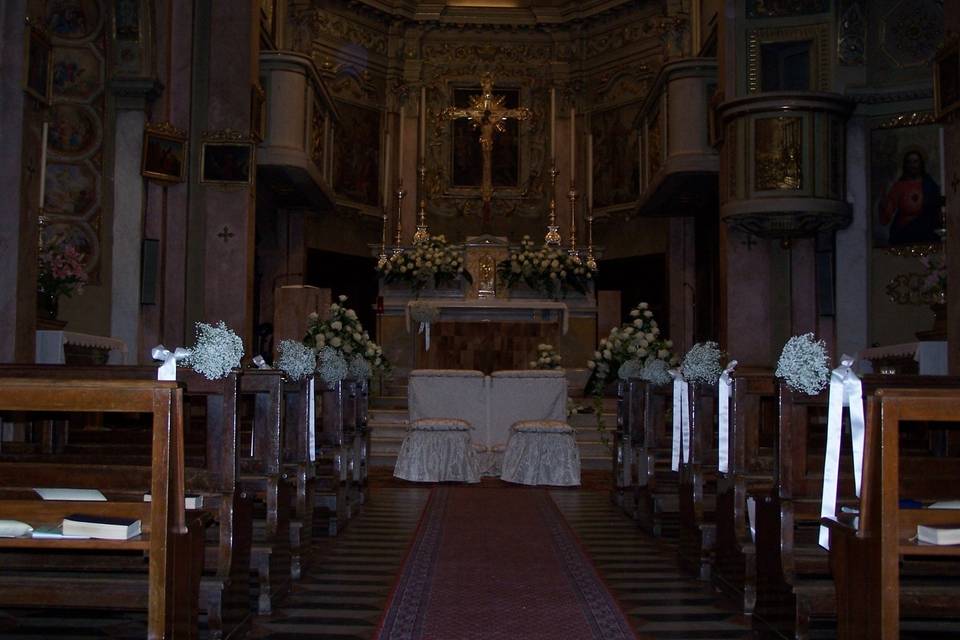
(483, 325)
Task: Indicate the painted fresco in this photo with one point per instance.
(356, 169)
(616, 163)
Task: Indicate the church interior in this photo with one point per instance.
(479, 319)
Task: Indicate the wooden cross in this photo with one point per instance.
(487, 114)
(226, 234)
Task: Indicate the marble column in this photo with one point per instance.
(746, 321)
(854, 248)
(19, 191)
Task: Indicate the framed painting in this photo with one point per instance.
(946, 79)
(906, 177)
(38, 64)
(227, 161)
(164, 153)
(616, 168)
(356, 166)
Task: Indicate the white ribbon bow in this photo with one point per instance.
(724, 391)
(425, 330)
(681, 420)
(168, 370)
(311, 419)
(260, 363)
(846, 390)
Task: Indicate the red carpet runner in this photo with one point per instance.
(497, 564)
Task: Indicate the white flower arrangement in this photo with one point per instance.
(550, 270)
(637, 339)
(343, 332)
(422, 311)
(547, 358)
(430, 261)
(630, 369)
(217, 351)
(804, 364)
(297, 360)
(332, 367)
(656, 371)
(359, 368)
(702, 363)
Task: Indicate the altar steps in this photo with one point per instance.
(388, 421)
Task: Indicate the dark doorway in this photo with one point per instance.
(639, 279)
(352, 276)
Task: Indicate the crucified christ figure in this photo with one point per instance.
(487, 113)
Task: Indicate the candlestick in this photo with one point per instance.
(400, 196)
(590, 172)
(422, 233)
(591, 261)
(382, 258)
(572, 196)
(553, 125)
(423, 124)
(573, 144)
(553, 231)
(943, 165)
(44, 131)
(400, 142)
(386, 172)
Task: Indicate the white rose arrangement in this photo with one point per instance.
(634, 349)
(549, 270)
(431, 261)
(343, 333)
(547, 358)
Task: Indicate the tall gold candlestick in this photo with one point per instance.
(572, 196)
(591, 261)
(553, 231)
(401, 194)
(382, 258)
(422, 232)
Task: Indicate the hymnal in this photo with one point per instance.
(104, 527)
(79, 495)
(938, 534)
(189, 502)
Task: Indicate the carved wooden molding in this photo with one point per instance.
(818, 34)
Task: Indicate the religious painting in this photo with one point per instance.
(356, 167)
(73, 19)
(778, 153)
(467, 155)
(126, 20)
(77, 234)
(616, 166)
(71, 189)
(946, 79)
(76, 73)
(654, 148)
(785, 8)
(227, 163)
(74, 130)
(164, 153)
(906, 178)
(268, 13)
(37, 62)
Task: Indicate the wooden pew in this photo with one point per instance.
(171, 539)
(361, 445)
(624, 462)
(331, 510)
(224, 589)
(697, 484)
(655, 496)
(299, 462)
(794, 583)
(881, 572)
(753, 416)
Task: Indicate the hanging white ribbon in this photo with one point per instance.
(425, 330)
(681, 420)
(168, 370)
(724, 391)
(845, 391)
(260, 363)
(311, 401)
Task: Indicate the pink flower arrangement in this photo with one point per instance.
(61, 271)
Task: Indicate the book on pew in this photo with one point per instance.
(105, 527)
(938, 534)
(53, 532)
(75, 495)
(945, 504)
(189, 502)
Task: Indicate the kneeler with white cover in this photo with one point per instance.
(542, 452)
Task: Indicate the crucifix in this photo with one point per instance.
(487, 113)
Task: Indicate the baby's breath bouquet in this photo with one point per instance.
(297, 360)
(331, 365)
(637, 341)
(804, 364)
(217, 351)
(431, 261)
(549, 270)
(343, 333)
(547, 358)
(702, 363)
